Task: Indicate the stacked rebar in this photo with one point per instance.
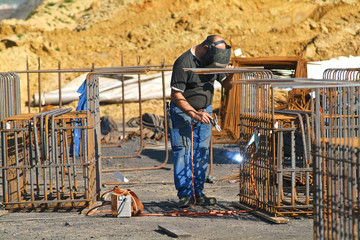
(337, 159)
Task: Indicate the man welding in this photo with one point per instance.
(191, 109)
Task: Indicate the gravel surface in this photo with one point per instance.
(157, 193)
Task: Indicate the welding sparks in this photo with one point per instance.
(235, 156)
(238, 157)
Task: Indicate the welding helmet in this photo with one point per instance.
(216, 57)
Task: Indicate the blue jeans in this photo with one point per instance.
(180, 136)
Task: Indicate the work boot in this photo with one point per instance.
(185, 201)
(203, 200)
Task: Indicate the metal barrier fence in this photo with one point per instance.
(9, 94)
(337, 159)
(350, 74)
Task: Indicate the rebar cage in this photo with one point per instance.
(50, 159)
(276, 179)
(337, 159)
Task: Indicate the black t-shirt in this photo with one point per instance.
(197, 89)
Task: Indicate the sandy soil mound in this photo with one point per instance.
(79, 33)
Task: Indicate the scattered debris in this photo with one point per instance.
(153, 124)
(109, 130)
(174, 231)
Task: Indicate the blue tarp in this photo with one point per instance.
(81, 106)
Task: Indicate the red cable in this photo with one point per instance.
(192, 163)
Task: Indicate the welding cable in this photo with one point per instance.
(109, 191)
(189, 213)
(104, 203)
(192, 162)
(92, 212)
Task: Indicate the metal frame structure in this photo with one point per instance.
(30, 137)
(337, 159)
(278, 179)
(138, 70)
(51, 159)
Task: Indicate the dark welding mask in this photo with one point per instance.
(216, 57)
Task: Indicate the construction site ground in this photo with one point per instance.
(156, 190)
(79, 33)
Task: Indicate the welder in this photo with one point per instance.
(191, 115)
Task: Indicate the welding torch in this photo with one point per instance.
(214, 122)
(255, 138)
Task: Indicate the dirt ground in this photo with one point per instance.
(79, 33)
(157, 198)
